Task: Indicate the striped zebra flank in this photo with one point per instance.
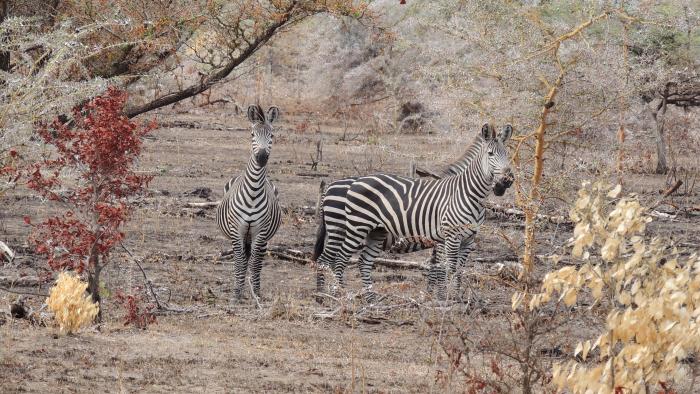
(249, 213)
(398, 214)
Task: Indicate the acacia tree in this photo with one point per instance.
(91, 174)
(666, 67)
(564, 75)
(162, 51)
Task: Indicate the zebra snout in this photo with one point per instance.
(261, 157)
(504, 182)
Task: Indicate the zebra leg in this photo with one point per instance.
(437, 270)
(375, 243)
(351, 244)
(257, 254)
(465, 249)
(241, 254)
(450, 255)
(324, 262)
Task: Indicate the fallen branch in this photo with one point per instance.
(194, 125)
(306, 209)
(667, 193)
(221, 100)
(206, 205)
(145, 278)
(6, 251)
(162, 309)
(313, 174)
(23, 281)
(300, 257)
(521, 215)
(23, 292)
(425, 172)
(662, 215)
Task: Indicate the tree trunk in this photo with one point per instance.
(4, 56)
(94, 285)
(660, 118)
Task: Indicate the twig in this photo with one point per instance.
(145, 278)
(667, 193)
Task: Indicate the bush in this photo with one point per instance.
(91, 173)
(651, 295)
(71, 306)
(138, 314)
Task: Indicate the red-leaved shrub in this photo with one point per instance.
(138, 313)
(91, 173)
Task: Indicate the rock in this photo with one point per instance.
(18, 311)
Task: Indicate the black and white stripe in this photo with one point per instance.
(332, 232)
(385, 212)
(249, 213)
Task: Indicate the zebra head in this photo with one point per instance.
(262, 132)
(495, 158)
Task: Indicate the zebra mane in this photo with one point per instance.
(461, 164)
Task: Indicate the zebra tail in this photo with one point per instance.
(320, 239)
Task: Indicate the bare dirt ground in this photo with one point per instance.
(287, 345)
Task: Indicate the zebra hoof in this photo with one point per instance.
(319, 298)
(370, 297)
(237, 298)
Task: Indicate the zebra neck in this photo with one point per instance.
(255, 175)
(476, 184)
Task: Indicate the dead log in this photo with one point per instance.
(521, 215)
(313, 174)
(305, 209)
(6, 253)
(301, 257)
(22, 281)
(425, 172)
(667, 192)
(196, 125)
(205, 205)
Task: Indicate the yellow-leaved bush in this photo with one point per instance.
(651, 294)
(71, 305)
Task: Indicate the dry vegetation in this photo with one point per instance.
(594, 91)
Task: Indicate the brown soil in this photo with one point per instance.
(291, 344)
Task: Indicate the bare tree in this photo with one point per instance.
(684, 93)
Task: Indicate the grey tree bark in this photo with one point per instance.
(659, 115)
(4, 56)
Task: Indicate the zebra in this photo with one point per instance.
(249, 213)
(332, 216)
(369, 209)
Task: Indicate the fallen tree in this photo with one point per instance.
(301, 257)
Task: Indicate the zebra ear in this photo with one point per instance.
(272, 114)
(486, 132)
(255, 114)
(506, 133)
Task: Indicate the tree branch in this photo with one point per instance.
(212, 79)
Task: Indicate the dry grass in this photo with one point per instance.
(284, 346)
